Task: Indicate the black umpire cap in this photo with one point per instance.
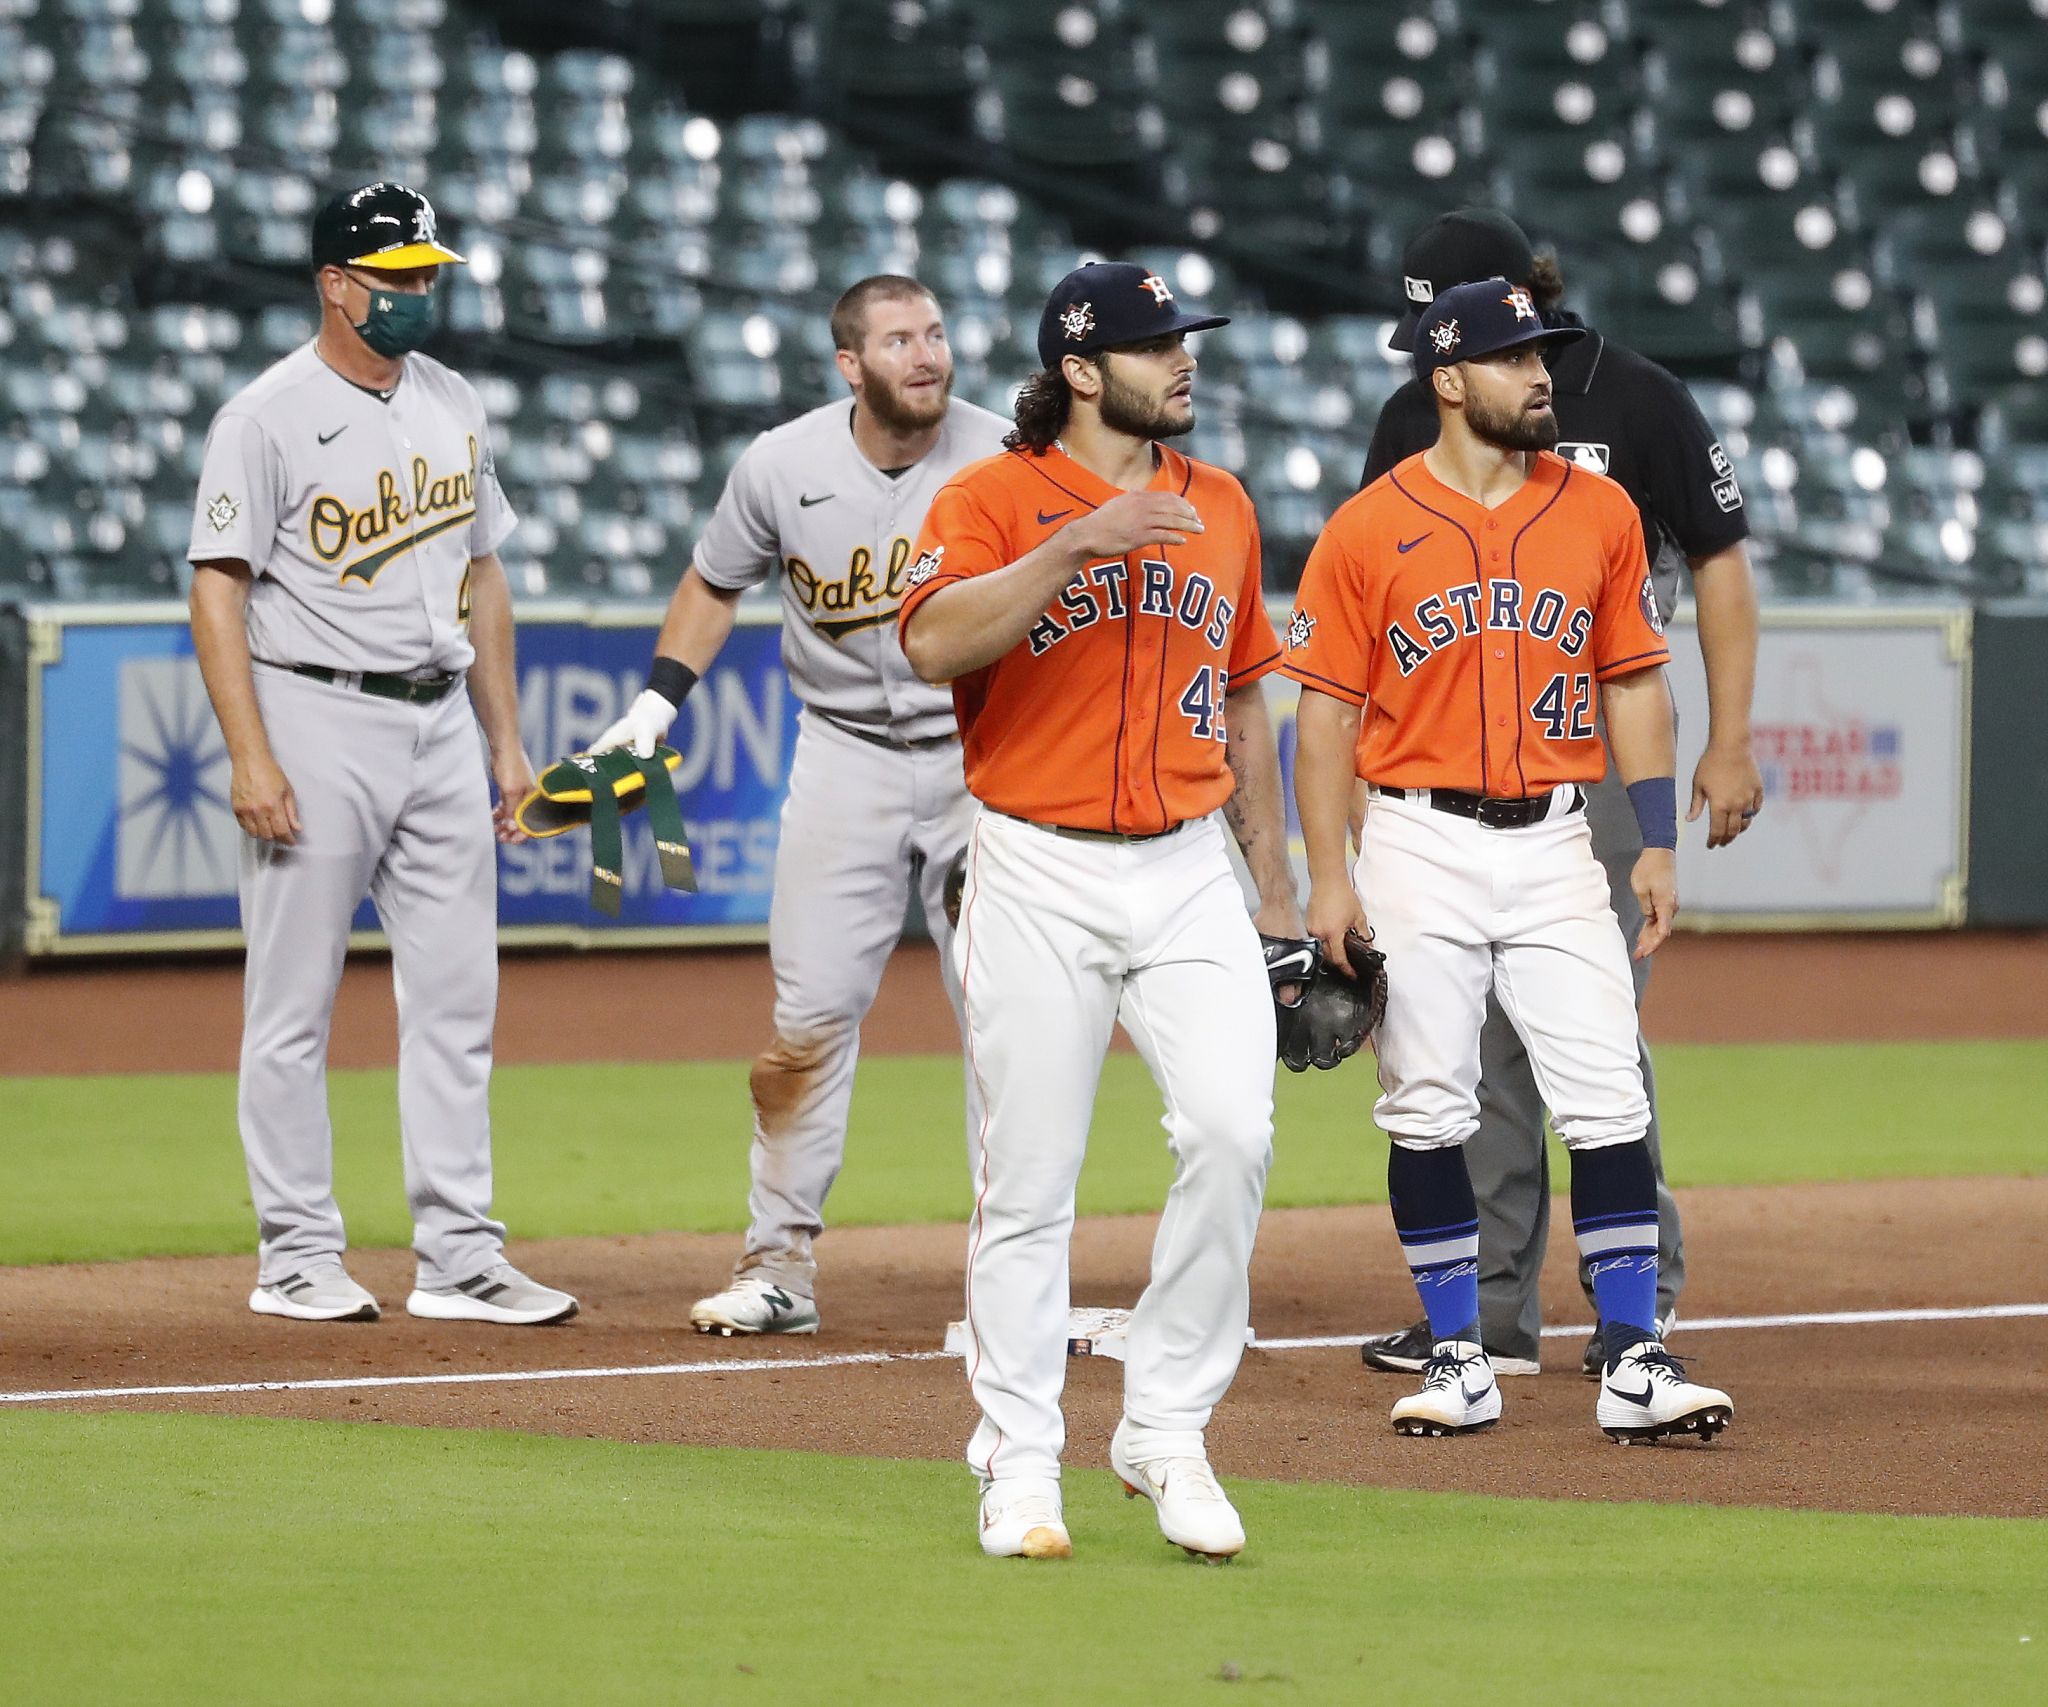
(384, 226)
(1457, 248)
(1108, 303)
(1483, 318)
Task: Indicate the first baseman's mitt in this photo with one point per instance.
(1334, 1009)
(597, 789)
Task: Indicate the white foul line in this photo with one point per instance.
(838, 1360)
(1709, 1324)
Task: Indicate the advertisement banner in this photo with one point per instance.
(1861, 728)
(133, 844)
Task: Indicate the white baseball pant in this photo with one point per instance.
(1058, 940)
(860, 823)
(1458, 909)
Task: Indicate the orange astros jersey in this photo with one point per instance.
(1109, 714)
(1475, 638)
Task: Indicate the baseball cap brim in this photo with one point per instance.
(1179, 323)
(406, 255)
(1540, 335)
(1402, 337)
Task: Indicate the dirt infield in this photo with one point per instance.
(1929, 1417)
(713, 1004)
(1923, 1417)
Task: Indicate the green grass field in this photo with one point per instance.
(119, 1167)
(193, 1559)
(199, 1559)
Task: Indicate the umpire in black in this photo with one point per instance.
(1624, 416)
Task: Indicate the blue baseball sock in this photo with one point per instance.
(1614, 1213)
(1431, 1196)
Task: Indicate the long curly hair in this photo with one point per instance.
(1042, 409)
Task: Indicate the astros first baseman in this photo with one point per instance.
(1455, 623)
(1093, 596)
(876, 801)
(354, 628)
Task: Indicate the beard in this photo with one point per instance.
(899, 413)
(1126, 409)
(1511, 431)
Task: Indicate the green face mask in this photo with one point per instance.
(397, 321)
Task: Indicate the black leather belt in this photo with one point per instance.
(1074, 835)
(875, 738)
(1496, 812)
(413, 690)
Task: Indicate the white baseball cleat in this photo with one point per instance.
(1022, 1520)
(500, 1294)
(1194, 1513)
(1459, 1393)
(321, 1293)
(1645, 1397)
(753, 1304)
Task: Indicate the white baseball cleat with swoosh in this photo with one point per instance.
(1645, 1397)
(1459, 1393)
(1022, 1520)
(754, 1304)
(1194, 1512)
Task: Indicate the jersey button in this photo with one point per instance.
(1499, 652)
(1501, 721)
(1490, 526)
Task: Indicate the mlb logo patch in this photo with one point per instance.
(1582, 454)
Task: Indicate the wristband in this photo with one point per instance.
(1655, 799)
(671, 678)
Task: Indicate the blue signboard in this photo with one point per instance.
(133, 844)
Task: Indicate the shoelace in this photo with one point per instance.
(1031, 1510)
(1192, 1478)
(1659, 1365)
(1444, 1371)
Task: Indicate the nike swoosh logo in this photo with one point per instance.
(1642, 1398)
(329, 438)
(1408, 545)
(806, 503)
(1045, 520)
(1471, 1398)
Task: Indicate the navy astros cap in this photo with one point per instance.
(1108, 303)
(1453, 249)
(1480, 319)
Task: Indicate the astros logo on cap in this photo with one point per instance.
(1445, 337)
(1157, 286)
(1518, 300)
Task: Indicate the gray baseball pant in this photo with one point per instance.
(393, 803)
(861, 824)
(1507, 1157)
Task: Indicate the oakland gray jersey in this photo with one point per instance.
(804, 499)
(358, 515)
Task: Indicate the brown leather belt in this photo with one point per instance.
(1075, 835)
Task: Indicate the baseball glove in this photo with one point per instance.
(1335, 1008)
(954, 889)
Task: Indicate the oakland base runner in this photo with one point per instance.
(1093, 596)
(1456, 622)
(354, 627)
(876, 803)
